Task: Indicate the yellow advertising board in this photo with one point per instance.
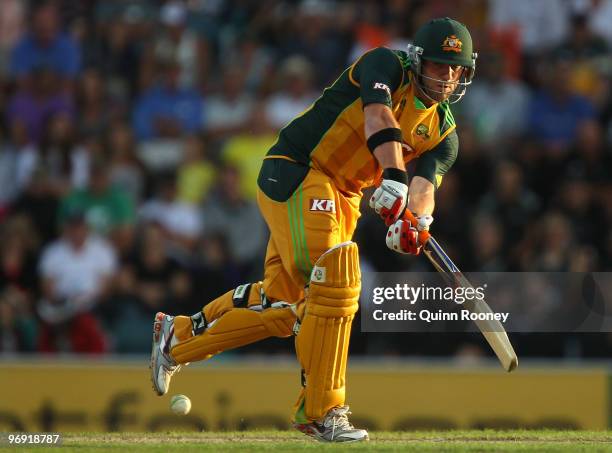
(118, 397)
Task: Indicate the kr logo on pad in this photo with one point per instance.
(322, 205)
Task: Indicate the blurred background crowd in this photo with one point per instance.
(131, 134)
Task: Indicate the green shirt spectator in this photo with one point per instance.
(106, 207)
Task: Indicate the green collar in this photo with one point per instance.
(419, 104)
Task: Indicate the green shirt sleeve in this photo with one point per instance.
(379, 73)
(72, 201)
(124, 209)
(433, 164)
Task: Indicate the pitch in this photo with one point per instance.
(433, 441)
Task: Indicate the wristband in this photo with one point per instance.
(390, 134)
(395, 174)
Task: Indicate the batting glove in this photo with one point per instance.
(389, 199)
(402, 237)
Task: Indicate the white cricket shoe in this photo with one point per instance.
(162, 364)
(335, 427)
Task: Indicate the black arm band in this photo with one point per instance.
(390, 134)
(395, 174)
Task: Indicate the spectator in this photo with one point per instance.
(9, 188)
(228, 112)
(581, 43)
(589, 158)
(577, 201)
(255, 62)
(45, 45)
(114, 54)
(149, 282)
(196, 174)
(213, 269)
(175, 42)
(540, 25)
(18, 327)
(245, 151)
(160, 279)
(40, 203)
(126, 172)
(556, 113)
(496, 105)
(18, 255)
(585, 195)
(124, 314)
(317, 37)
(487, 238)
(96, 109)
(551, 252)
(76, 274)
(586, 51)
(585, 259)
(167, 110)
(475, 168)
(229, 213)
(296, 93)
(599, 13)
(64, 161)
(369, 32)
(180, 221)
(18, 280)
(108, 210)
(510, 202)
(37, 101)
(11, 28)
(450, 205)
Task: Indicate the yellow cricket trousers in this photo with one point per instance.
(314, 218)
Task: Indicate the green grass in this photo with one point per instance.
(286, 441)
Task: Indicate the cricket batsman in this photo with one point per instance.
(387, 109)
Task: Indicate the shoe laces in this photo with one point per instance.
(338, 419)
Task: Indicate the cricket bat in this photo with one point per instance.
(492, 330)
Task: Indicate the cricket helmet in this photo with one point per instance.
(447, 41)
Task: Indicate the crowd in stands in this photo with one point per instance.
(132, 131)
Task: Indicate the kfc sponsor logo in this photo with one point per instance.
(382, 86)
(322, 205)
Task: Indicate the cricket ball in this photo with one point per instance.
(180, 404)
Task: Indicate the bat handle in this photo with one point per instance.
(423, 235)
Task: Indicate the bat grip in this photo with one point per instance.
(423, 235)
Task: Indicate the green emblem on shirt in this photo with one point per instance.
(422, 130)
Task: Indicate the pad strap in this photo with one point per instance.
(198, 324)
(240, 298)
(389, 134)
